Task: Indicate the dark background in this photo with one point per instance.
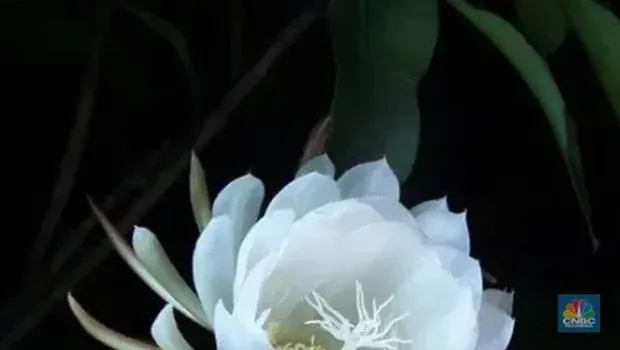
(485, 143)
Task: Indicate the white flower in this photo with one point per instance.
(330, 265)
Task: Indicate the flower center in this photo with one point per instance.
(368, 332)
(273, 331)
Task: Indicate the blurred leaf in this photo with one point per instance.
(382, 50)
(176, 39)
(168, 32)
(599, 31)
(543, 23)
(537, 76)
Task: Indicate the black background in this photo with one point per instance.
(485, 142)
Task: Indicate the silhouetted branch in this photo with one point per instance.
(211, 127)
(77, 141)
(119, 194)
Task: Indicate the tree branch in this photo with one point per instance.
(210, 128)
(77, 140)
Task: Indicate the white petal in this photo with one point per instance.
(305, 193)
(341, 216)
(246, 307)
(156, 261)
(430, 205)
(213, 264)
(464, 268)
(442, 226)
(500, 298)
(370, 179)
(230, 334)
(442, 315)
(265, 237)
(166, 333)
(241, 199)
(392, 210)
(160, 280)
(496, 325)
(321, 256)
(320, 164)
(104, 334)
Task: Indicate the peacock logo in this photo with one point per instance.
(579, 314)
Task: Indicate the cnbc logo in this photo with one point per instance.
(579, 313)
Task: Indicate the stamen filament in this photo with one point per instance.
(367, 333)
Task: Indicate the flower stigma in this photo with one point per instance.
(367, 333)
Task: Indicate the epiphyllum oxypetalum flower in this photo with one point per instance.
(330, 265)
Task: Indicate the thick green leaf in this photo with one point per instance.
(375, 115)
(382, 50)
(537, 76)
(543, 23)
(400, 35)
(599, 31)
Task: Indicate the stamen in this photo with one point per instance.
(273, 330)
(367, 333)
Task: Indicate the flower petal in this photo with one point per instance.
(320, 164)
(496, 324)
(199, 193)
(436, 304)
(464, 268)
(305, 193)
(161, 279)
(104, 334)
(230, 334)
(166, 333)
(430, 205)
(213, 265)
(376, 253)
(265, 237)
(241, 200)
(500, 298)
(246, 307)
(391, 210)
(442, 226)
(152, 255)
(370, 179)
(341, 216)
